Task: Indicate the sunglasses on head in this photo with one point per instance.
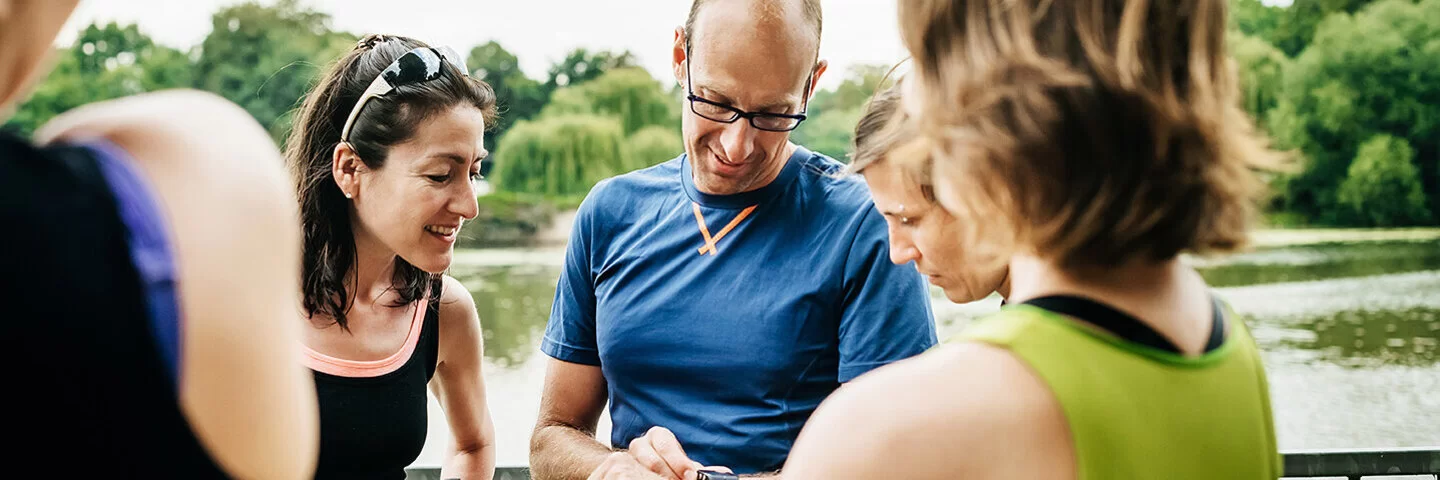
(416, 66)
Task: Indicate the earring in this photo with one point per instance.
(348, 195)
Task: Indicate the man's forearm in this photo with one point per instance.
(562, 452)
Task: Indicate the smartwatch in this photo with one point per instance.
(714, 475)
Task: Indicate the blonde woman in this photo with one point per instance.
(1094, 141)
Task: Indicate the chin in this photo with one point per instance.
(961, 296)
(431, 263)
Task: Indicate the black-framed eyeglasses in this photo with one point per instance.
(719, 112)
(419, 65)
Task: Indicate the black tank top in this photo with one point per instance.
(88, 392)
(374, 427)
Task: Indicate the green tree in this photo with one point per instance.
(859, 85)
(628, 93)
(652, 145)
(563, 155)
(519, 97)
(106, 62)
(1375, 72)
(831, 133)
(832, 113)
(1255, 18)
(1297, 24)
(581, 65)
(1382, 188)
(1262, 69)
(265, 58)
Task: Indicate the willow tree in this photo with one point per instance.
(629, 94)
(560, 155)
(651, 145)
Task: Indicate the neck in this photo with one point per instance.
(1004, 288)
(374, 270)
(1168, 296)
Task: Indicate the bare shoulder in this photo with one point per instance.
(460, 334)
(205, 157)
(954, 411)
(456, 305)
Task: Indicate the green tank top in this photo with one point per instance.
(1137, 412)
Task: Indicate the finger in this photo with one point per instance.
(668, 447)
(718, 469)
(643, 451)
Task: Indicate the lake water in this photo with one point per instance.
(1350, 335)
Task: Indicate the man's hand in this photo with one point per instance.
(622, 466)
(660, 452)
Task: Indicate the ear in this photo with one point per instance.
(820, 68)
(678, 56)
(345, 168)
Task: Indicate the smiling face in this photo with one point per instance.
(754, 59)
(415, 204)
(924, 233)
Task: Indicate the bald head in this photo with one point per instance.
(775, 15)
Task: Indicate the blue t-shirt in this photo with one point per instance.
(732, 350)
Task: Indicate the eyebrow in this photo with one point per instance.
(460, 159)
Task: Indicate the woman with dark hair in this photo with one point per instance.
(147, 274)
(386, 152)
(1089, 143)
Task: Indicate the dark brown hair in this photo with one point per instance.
(1098, 131)
(328, 255)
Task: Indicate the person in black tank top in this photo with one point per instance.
(386, 152)
(132, 357)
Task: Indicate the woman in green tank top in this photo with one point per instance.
(1087, 144)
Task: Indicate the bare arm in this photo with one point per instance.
(459, 384)
(232, 217)
(968, 411)
(563, 445)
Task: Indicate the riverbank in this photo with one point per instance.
(552, 252)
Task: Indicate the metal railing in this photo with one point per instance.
(1350, 464)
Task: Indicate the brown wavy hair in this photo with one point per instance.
(328, 254)
(882, 130)
(1097, 131)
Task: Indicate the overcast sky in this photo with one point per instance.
(539, 32)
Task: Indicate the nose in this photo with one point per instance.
(464, 203)
(738, 140)
(902, 250)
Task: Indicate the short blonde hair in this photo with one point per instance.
(883, 129)
(1096, 132)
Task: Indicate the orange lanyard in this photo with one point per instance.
(710, 243)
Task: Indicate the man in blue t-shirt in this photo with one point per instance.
(716, 299)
